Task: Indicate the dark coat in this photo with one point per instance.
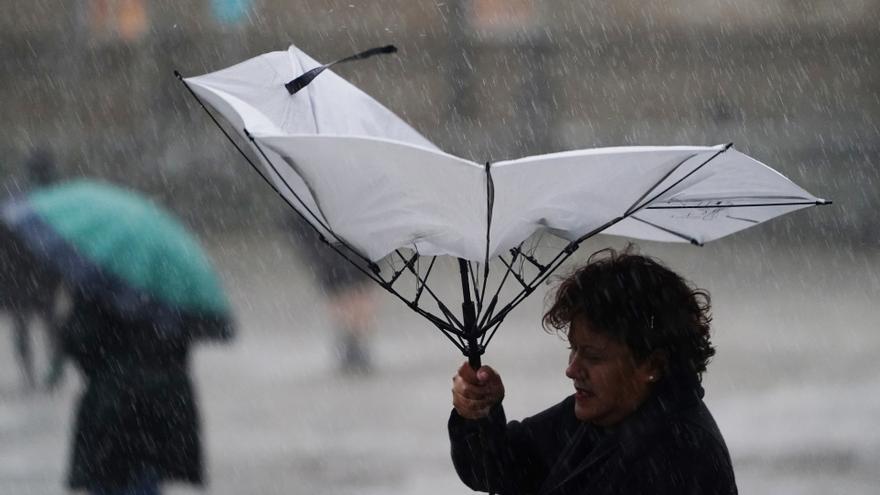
(671, 445)
(25, 284)
(137, 416)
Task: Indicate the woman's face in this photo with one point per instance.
(609, 383)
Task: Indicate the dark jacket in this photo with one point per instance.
(25, 283)
(671, 445)
(137, 416)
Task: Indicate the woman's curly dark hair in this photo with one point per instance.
(638, 301)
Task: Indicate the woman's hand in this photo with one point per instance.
(475, 392)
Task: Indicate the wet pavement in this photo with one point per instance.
(795, 386)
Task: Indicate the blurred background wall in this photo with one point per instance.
(793, 83)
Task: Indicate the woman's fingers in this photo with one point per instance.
(492, 389)
(468, 374)
(475, 392)
(467, 390)
(471, 408)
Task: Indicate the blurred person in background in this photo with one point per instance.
(349, 296)
(28, 293)
(137, 421)
(142, 292)
(639, 343)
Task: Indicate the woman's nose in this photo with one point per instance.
(572, 369)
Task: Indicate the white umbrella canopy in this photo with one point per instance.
(366, 179)
(698, 204)
(659, 193)
(357, 170)
(251, 95)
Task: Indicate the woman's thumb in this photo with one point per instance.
(482, 375)
(485, 374)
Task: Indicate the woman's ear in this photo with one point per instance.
(654, 366)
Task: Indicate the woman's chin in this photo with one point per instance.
(583, 411)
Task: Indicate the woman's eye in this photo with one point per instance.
(585, 355)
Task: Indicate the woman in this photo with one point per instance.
(639, 340)
(137, 423)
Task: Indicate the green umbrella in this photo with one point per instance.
(118, 247)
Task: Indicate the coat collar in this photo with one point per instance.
(592, 444)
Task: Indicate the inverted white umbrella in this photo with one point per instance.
(373, 186)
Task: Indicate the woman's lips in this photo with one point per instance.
(581, 393)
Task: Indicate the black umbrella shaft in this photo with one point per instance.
(469, 318)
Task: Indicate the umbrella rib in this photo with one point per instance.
(408, 264)
(495, 328)
(477, 293)
(679, 181)
(531, 259)
(749, 205)
(742, 219)
(669, 231)
(488, 314)
(452, 320)
(447, 325)
(555, 263)
(420, 287)
(494, 301)
(457, 343)
(648, 191)
(432, 318)
(511, 270)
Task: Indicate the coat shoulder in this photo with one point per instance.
(688, 454)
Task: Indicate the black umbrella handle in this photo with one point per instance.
(474, 350)
(474, 361)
